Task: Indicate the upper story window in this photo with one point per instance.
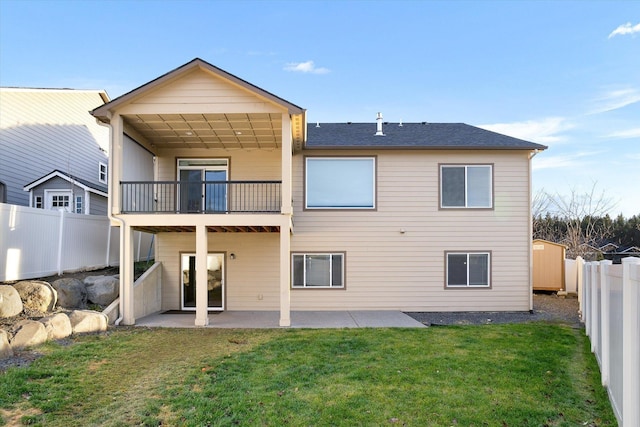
(340, 183)
(102, 173)
(466, 186)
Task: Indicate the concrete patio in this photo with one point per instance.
(299, 319)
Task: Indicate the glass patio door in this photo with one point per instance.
(203, 186)
(215, 282)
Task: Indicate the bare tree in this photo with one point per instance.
(542, 223)
(582, 213)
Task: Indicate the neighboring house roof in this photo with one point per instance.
(82, 183)
(46, 129)
(631, 249)
(411, 136)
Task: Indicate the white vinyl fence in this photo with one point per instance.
(610, 307)
(37, 242)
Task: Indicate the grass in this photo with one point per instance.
(495, 375)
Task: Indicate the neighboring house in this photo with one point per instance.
(45, 130)
(59, 190)
(253, 209)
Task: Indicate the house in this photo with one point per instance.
(53, 153)
(254, 209)
(60, 190)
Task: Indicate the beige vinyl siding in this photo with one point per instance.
(386, 269)
(251, 280)
(200, 87)
(243, 164)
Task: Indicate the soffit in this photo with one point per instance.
(209, 130)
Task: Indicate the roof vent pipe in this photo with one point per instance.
(379, 125)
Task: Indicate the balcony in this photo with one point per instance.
(206, 197)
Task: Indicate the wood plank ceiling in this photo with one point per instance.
(224, 131)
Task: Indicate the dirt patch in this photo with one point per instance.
(546, 307)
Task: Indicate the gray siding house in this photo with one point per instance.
(59, 190)
(49, 141)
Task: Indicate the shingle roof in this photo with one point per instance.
(65, 175)
(411, 136)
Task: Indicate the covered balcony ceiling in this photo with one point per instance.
(224, 131)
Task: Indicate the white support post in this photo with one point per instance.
(126, 274)
(285, 271)
(605, 321)
(287, 162)
(202, 314)
(630, 344)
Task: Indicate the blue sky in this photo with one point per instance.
(562, 73)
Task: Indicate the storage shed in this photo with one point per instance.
(548, 266)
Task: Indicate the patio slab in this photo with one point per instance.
(299, 319)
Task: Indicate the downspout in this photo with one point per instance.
(531, 156)
(114, 218)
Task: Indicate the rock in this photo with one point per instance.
(10, 302)
(102, 290)
(71, 293)
(58, 326)
(5, 347)
(37, 295)
(27, 333)
(87, 321)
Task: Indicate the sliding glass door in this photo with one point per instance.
(203, 185)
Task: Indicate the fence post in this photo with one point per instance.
(106, 258)
(595, 318)
(605, 321)
(630, 345)
(586, 301)
(60, 241)
(580, 284)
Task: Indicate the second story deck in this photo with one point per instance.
(207, 197)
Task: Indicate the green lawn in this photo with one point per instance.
(494, 375)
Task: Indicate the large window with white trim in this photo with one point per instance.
(317, 270)
(468, 269)
(340, 183)
(466, 186)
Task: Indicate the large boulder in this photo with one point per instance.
(58, 326)
(102, 290)
(10, 302)
(71, 293)
(27, 333)
(5, 347)
(88, 321)
(37, 295)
